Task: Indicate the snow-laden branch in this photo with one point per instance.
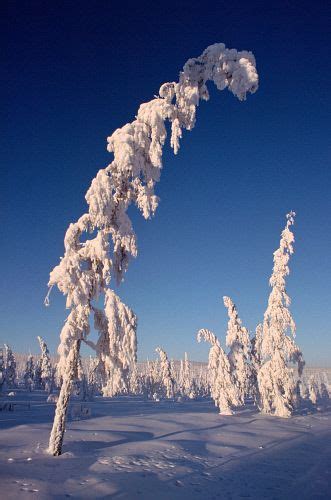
(131, 177)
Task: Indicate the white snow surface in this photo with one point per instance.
(128, 448)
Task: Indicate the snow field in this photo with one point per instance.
(131, 448)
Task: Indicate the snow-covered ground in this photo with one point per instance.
(133, 449)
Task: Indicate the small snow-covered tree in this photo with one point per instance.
(202, 385)
(313, 389)
(237, 339)
(277, 386)
(324, 393)
(222, 385)
(92, 376)
(80, 385)
(152, 380)
(45, 366)
(187, 386)
(255, 351)
(87, 266)
(116, 347)
(134, 381)
(10, 366)
(37, 380)
(255, 357)
(29, 373)
(167, 380)
(2, 369)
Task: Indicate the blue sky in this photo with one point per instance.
(75, 71)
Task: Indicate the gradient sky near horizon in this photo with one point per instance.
(76, 71)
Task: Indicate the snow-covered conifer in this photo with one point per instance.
(10, 366)
(2, 369)
(255, 357)
(46, 366)
(222, 386)
(87, 266)
(37, 380)
(202, 385)
(92, 376)
(116, 347)
(237, 339)
(134, 381)
(324, 393)
(29, 373)
(152, 380)
(277, 387)
(313, 389)
(80, 385)
(186, 383)
(255, 351)
(167, 380)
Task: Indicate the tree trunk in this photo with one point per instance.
(57, 434)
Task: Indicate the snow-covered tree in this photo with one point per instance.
(2, 369)
(116, 347)
(134, 381)
(237, 339)
(277, 386)
(80, 385)
(222, 385)
(152, 380)
(202, 385)
(37, 380)
(313, 389)
(186, 383)
(93, 376)
(324, 393)
(167, 380)
(87, 266)
(45, 366)
(255, 357)
(10, 366)
(29, 373)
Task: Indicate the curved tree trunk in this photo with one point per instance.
(57, 434)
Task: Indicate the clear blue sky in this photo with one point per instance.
(75, 71)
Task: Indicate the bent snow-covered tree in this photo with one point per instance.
(223, 388)
(87, 266)
(237, 339)
(276, 383)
